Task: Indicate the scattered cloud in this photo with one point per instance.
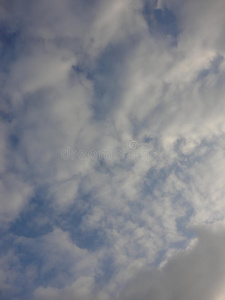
(134, 90)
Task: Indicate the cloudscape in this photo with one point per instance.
(112, 153)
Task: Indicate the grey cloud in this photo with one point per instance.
(198, 273)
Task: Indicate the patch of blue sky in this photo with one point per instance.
(34, 220)
(161, 254)
(213, 69)
(19, 292)
(30, 256)
(198, 154)
(39, 218)
(156, 177)
(71, 221)
(9, 48)
(27, 256)
(106, 272)
(138, 124)
(56, 276)
(22, 258)
(106, 77)
(89, 238)
(6, 114)
(102, 167)
(13, 141)
(9, 45)
(182, 222)
(161, 22)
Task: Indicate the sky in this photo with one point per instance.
(112, 153)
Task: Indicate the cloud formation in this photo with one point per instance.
(197, 273)
(126, 78)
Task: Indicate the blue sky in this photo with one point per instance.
(112, 150)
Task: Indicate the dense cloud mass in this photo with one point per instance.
(112, 150)
(197, 274)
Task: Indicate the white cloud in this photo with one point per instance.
(15, 194)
